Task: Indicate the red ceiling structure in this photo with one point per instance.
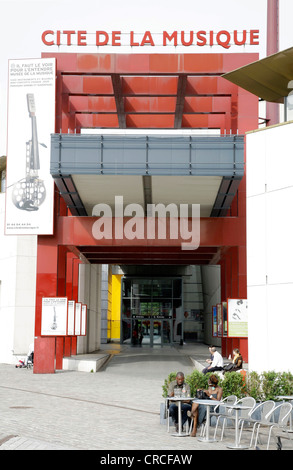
(147, 91)
(143, 91)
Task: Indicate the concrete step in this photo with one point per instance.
(85, 362)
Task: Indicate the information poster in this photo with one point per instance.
(225, 319)
(83, 320)
(31, 120)
(237, 318)
(77, 327)
(214, 321)
(54, 316)
(71, 318)
(220, 320)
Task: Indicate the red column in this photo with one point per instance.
(233, 263)
(46, 286)
(50, 282)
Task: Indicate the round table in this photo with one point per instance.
(208, 403)
(179, 400)
(237, 408)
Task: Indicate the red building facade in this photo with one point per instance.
(144, 91)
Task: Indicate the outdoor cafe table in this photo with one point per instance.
(289, 398)
(208, 403)
(179, 400)
(237, 408)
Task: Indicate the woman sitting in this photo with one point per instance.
(236, 364)
(198, 411)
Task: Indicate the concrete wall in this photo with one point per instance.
(193, 300)
(269, 252)
(18, 257)
(211, 284)
(90, 293)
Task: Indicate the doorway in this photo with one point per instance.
(149, 310)
(151, 332)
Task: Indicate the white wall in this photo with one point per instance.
(17, 292)
(269, 251)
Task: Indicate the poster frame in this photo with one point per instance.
(45, 331)
(77, 324)
(83, 320)
(220, 320)
(229, 314)
(214, 322)
(225, 319)
(71, 327)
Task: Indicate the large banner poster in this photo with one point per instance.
(238, 318)
(31, 120)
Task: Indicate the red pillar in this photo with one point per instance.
(50, 282)
(233, 263)
(46, 286)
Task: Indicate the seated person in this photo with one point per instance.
(236, 364)
(198, 411)
(179, 385)
(216, 364)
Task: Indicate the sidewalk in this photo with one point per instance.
(117, 408)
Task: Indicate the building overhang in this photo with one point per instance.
(147, 169)
(267, 78)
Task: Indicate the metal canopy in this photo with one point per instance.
(202, 170)
(148, 91)
(267, 78)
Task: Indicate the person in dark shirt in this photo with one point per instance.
(178, 388)
(236, 364)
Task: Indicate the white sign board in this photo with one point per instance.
(54, 316)
(83, 320)
(77, 327)
(31, 120)
(237, 318)
(71, 317)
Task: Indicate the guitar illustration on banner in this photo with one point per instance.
(29, 193)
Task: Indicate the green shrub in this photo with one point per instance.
(197, 380)
(262, 387)
(253, 386)
(170, 378)
(286, 383)
(270, 385)
(233, 384)
(275, 384)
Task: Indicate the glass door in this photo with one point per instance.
(162, 332)
(149, 310)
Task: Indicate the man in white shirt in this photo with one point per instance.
(217, 362)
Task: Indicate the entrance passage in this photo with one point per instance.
(151, 311)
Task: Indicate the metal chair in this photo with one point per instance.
(190, 428)
(231, 400)
(256, 415)
(277, 417)
(167, 413)
(247, 401)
